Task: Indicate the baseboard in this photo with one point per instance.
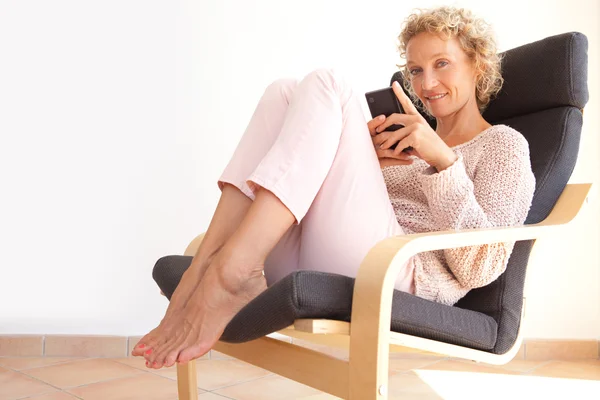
(121, 346)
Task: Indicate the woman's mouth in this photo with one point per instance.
(436, 97)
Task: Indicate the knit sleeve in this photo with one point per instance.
(499, 194)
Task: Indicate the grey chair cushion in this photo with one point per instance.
(545, 86)
(312, 294)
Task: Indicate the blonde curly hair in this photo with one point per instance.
(475, 37)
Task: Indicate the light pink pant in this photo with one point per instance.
(308, 144)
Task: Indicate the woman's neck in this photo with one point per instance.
(461, 126)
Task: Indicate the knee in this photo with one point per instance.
(329, 78)
(281, 88)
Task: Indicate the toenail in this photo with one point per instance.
(155, 364)
(149, 351)
(141, 346)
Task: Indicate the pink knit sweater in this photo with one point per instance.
(490, 185)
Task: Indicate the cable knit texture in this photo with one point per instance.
(490, 185)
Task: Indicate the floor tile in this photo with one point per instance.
(53, 396)
(211, 396)
(215, 374)
(16, 386)
(21, 363)
(568, 369)
(273, 387)
(405, 365)
(410, 387)
(561, 349)
(522, 365)
(145, 386)
(467, 366)
(465, 385)
(139, 363)
(321, 396)
(426, 377)
(81, 372)
(589, 362)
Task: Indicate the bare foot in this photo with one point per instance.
(189, 282)
(222, 293)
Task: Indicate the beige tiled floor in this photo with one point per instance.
(412, 376)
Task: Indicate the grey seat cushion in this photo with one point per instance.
(312, 294)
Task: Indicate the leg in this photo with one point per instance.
(263, 129)
(230, 211)
(285, 183)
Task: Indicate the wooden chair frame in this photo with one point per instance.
(368, 337)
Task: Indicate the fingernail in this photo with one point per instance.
(381, 117)
(149, 351)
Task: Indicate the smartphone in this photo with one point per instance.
(384, 101)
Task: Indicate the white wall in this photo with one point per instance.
(117, 118)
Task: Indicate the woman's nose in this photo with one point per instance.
(429, 81)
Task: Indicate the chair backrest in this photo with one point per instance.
(544, 92)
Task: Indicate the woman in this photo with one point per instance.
(305, 189)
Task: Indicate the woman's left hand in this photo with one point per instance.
(416, 133)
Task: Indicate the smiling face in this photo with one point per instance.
(441, 74)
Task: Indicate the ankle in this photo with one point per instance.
(233, 273)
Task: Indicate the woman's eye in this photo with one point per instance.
(414, 71)
(442, 63)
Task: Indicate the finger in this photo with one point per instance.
(379, 138)
(403, 144)
(374, 123)
(389, 153)
(407, 104)
(398, 162)
(396, 136)
(398, 119)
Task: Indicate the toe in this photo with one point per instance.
(140, 347)
(149, 356)
(171, 358)
(191, 353)
(154, 343)
(167, 349)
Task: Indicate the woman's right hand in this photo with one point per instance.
(386, 157)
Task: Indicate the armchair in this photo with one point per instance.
(543, 97)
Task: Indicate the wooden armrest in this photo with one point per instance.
(382, 263)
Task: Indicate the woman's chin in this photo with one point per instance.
(437, 112)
